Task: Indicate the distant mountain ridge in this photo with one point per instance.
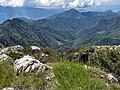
(104, 32)
(70, 28)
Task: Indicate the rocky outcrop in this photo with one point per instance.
(112, 79)
(3, 57)
(8, 88)
(29, 64)
(35, 48)
(103, 47)
(44, 55)
(15, 49)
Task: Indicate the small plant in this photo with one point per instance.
(27, 50)
(14, 55)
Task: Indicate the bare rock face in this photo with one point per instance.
(35, 48)
(3, 57)
(111, 78)
(8, 88)
(44, 55)
(29, 64)
(15, 49)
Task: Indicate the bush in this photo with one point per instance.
(14, 55)
(107, 59)
(27, 50)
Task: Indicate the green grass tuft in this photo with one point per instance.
(72, 76)
(25, 81)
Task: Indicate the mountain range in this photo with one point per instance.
(69, 28)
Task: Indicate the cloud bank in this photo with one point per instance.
(13, 3)
(56, 3)
(86, 3)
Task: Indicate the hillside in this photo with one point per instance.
(16, 31)
(47, 70)
(103, 32)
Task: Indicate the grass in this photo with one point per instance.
(72, 76)
(30, 81)
(69, 76)
(7, 74)
(26, 81)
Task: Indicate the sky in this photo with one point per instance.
(60, 3)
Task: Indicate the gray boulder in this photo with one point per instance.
(112, 79)
(8, 88)
(15, 49)
(3, 57)
(29, 64)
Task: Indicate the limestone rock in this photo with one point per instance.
(8, 88)
(29, 64)
(44, 55)
(35, 48)
(111, 78)
(50, 76)
(15, 49)
(3, 57)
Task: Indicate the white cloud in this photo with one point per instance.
(44, 3)
(57, 3)
(12, 3)
(113, 2)
(86, 3)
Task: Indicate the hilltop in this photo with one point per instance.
(33, 67)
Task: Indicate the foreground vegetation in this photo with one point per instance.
(69, 76)
(25, 81)
(69, 73)
(73, 76)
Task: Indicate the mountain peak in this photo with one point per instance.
(73, 10)
(72, 13)
(109, 11)
(13, 22)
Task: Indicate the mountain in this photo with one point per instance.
(72, 13)
(118, 12)
(71, 28)
(27, 12)
(66, 24)
(17, 31)
(100, 15)
(104, 32)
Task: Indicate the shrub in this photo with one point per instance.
(14, 55)
(27, 50)
(107, 59)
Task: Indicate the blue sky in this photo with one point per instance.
(112, 4)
